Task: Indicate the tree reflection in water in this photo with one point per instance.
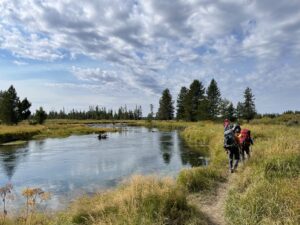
(166, 146)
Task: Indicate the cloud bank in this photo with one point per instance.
(147, 46)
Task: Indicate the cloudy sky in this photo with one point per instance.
(72, 54)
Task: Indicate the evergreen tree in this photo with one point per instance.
(231, 112)
(249, 111)
(214, 99)
(203, 109)
(40, 115)
(9, 106)
(166, 108)
(23, 109)
(193, 99)
(240, 110)
(180, 114)
(227, 110)
(151, 114)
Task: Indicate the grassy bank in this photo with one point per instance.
(56, 128)
(205, 178)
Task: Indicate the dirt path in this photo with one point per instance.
(213, 206)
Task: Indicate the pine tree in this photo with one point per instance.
(193, 99)
(9, 106)
(231, 112)
(214, 99)
(23, 109)
(249, 111)
(227, 110)
(166, 108)
(240, 110)
(180, 103)
(203, 109)
(40, 115)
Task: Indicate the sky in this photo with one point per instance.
(73, 54)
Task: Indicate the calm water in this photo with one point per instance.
(76, 165)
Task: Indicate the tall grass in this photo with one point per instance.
(20, 132)
(267, 191)
(205, 178)
(142, 200)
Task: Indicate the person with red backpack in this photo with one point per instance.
(245, 142)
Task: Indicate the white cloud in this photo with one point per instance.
(145, 43)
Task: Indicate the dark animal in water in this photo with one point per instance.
(102, 136)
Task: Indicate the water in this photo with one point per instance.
(70, 167)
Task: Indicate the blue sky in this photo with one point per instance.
(73, 54)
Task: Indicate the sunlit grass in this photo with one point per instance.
(267, 191)
(141, 200)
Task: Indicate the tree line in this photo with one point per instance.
(14, 110)
(199, 103)
(99, 113)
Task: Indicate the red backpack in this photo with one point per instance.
(245, 137)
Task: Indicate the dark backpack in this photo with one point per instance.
(229, 140)
(237, 128)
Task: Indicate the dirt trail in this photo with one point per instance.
(213, 206)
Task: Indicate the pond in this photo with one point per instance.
(76, 165)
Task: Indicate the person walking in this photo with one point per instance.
(245, 142)
(232, 147)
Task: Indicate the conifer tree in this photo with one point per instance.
(9, 102)
(166, 108)
(180, 103)
(40, 115)
(23, 109)
(214, 99)
(240, 110)
(249, 111)
(227, 110)
(193, 99)
(231, 112)
(203, 109)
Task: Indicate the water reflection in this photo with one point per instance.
(10, 156)
(166, 145)
(76, 165)
(192, 157)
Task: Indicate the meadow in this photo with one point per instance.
(265, 190)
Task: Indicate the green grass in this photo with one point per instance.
(267, 190)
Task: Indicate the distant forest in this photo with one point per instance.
(192, 104)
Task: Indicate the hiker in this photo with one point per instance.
(237, 128)
(245, 142)
(231, 145)
(226, 124)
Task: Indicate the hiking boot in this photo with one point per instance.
(231, 170)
